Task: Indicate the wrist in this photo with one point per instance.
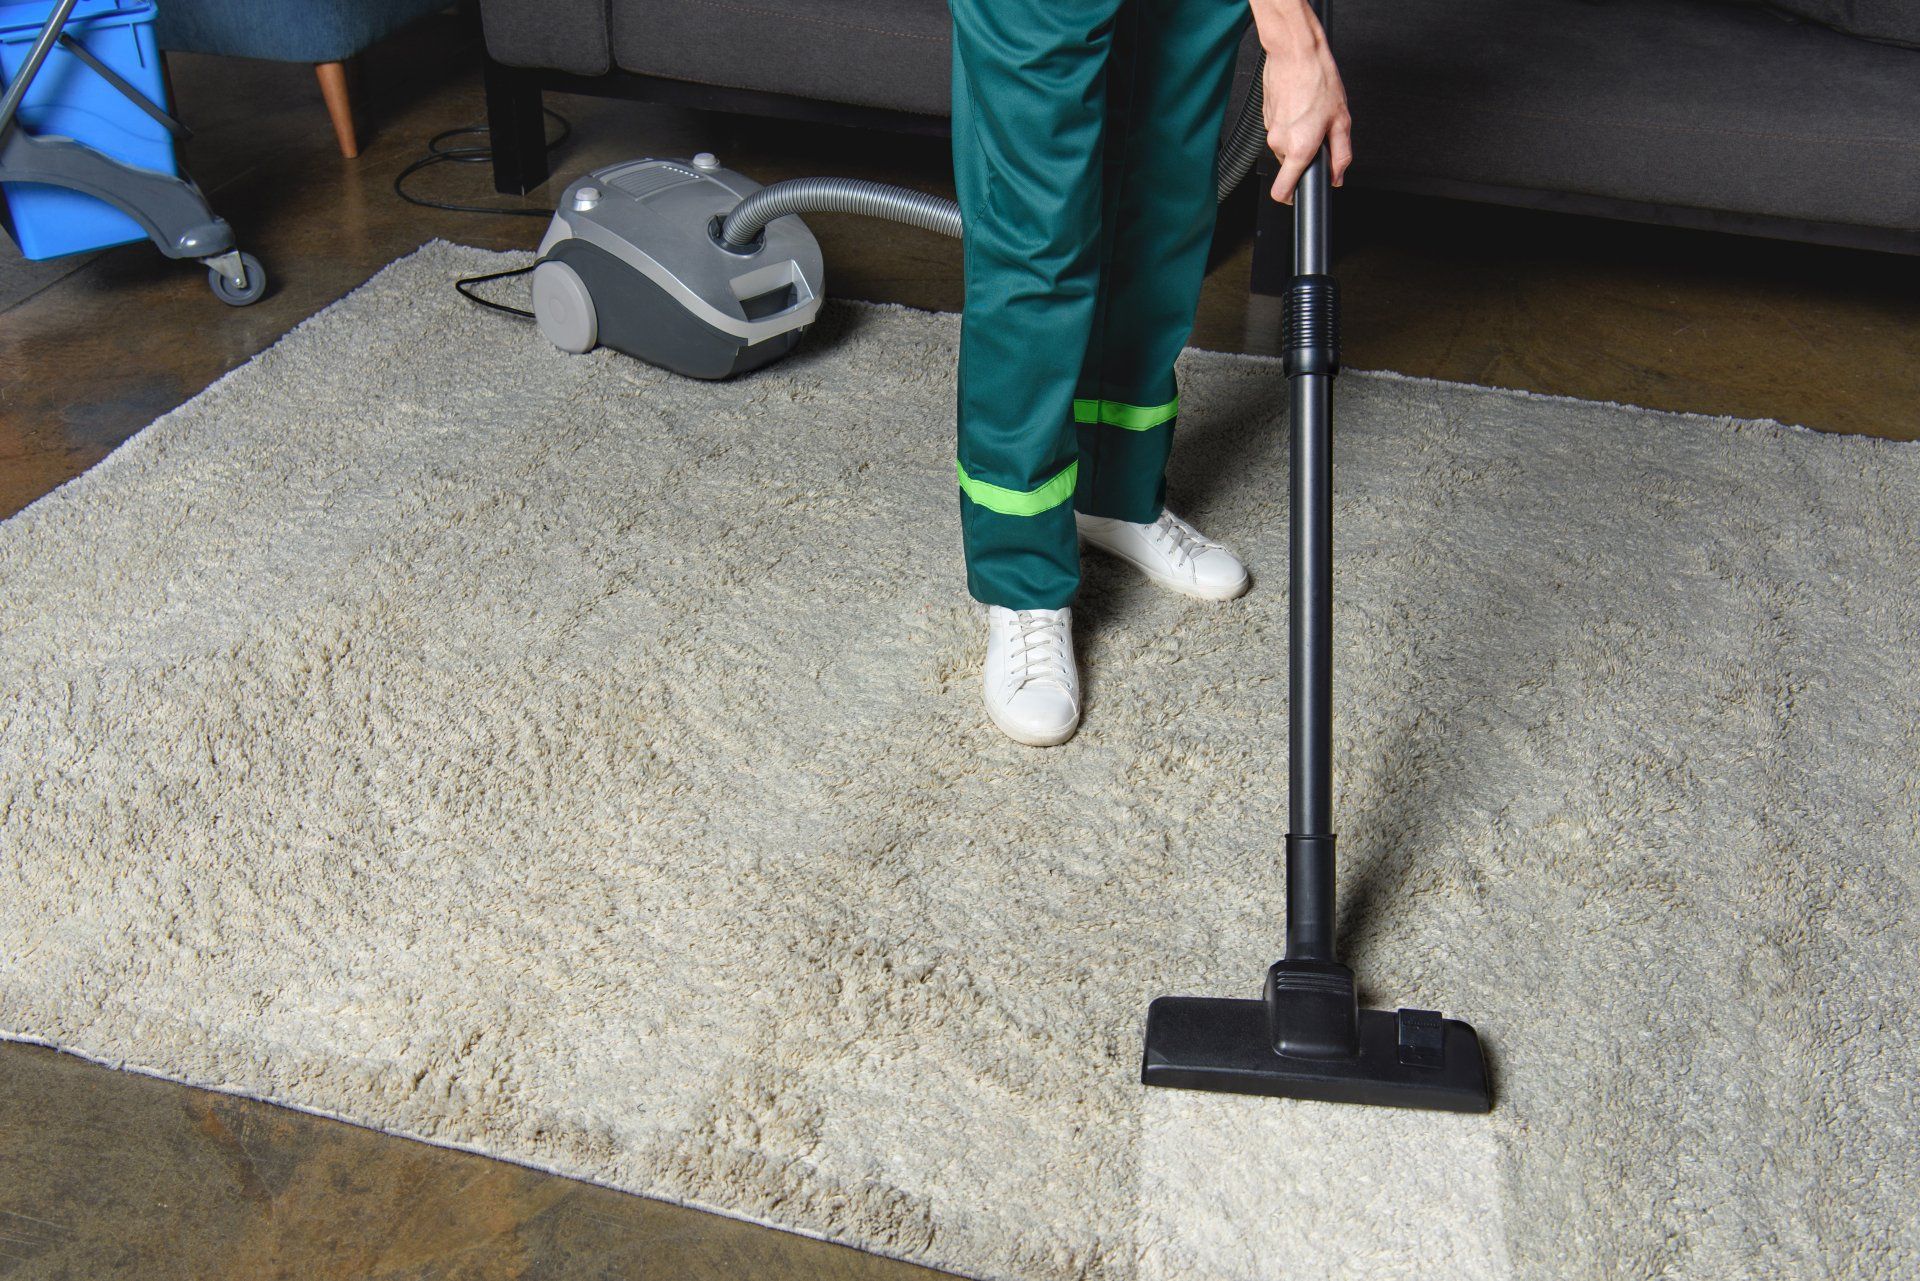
(1288, 29)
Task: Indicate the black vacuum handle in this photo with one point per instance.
(1311, 201)
(1312, 351)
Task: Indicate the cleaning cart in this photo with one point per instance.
(86, 143)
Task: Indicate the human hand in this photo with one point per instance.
(1302, 98)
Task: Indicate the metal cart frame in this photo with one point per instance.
(169, 208)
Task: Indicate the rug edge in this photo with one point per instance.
(10, 1037)
(118, 456)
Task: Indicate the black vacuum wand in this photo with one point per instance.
(1307, 1037)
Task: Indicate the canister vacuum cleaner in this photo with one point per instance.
(693, 267)
(698, 269)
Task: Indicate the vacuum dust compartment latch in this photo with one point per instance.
(772, 290)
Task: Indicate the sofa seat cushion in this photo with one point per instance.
(1894, 21)
(895, 54)
(1688, 103)
(1681, 105)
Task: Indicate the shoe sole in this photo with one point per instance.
(1025, 737)
(1192, 590)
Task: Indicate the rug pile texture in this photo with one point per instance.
(548, 756)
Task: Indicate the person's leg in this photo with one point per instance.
(1171, 72)
(1029, 99)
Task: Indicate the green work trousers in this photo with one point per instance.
(1084, 135)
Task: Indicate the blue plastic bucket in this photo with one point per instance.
(70, 100)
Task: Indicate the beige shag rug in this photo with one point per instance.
(548, 756)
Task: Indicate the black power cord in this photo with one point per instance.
(462, 283)
(440, 153)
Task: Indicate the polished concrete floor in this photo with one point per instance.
(106, 1174)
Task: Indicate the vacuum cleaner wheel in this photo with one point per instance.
(564, 309)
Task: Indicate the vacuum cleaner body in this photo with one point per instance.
(632, 261)
(702, 271)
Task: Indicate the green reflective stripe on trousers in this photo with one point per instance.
(1014, 502)
(1131, 417)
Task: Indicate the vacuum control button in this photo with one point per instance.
(586, 198)
(706, 162)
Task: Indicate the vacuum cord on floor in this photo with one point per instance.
(462, 283)
(440, 154)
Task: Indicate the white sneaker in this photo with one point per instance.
(1032, 685)
(1171, 553)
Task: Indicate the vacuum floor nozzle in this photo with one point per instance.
(1308, 1039)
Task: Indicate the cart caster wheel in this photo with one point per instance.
(239, 295)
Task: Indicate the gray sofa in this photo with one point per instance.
(1701, 113)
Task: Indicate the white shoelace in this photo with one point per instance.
(1180, 541)
(1040, 651)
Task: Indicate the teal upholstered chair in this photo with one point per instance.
(323, 32)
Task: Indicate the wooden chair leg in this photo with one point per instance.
(333, 87)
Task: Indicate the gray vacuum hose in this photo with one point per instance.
(837, 195)
(749, 218)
